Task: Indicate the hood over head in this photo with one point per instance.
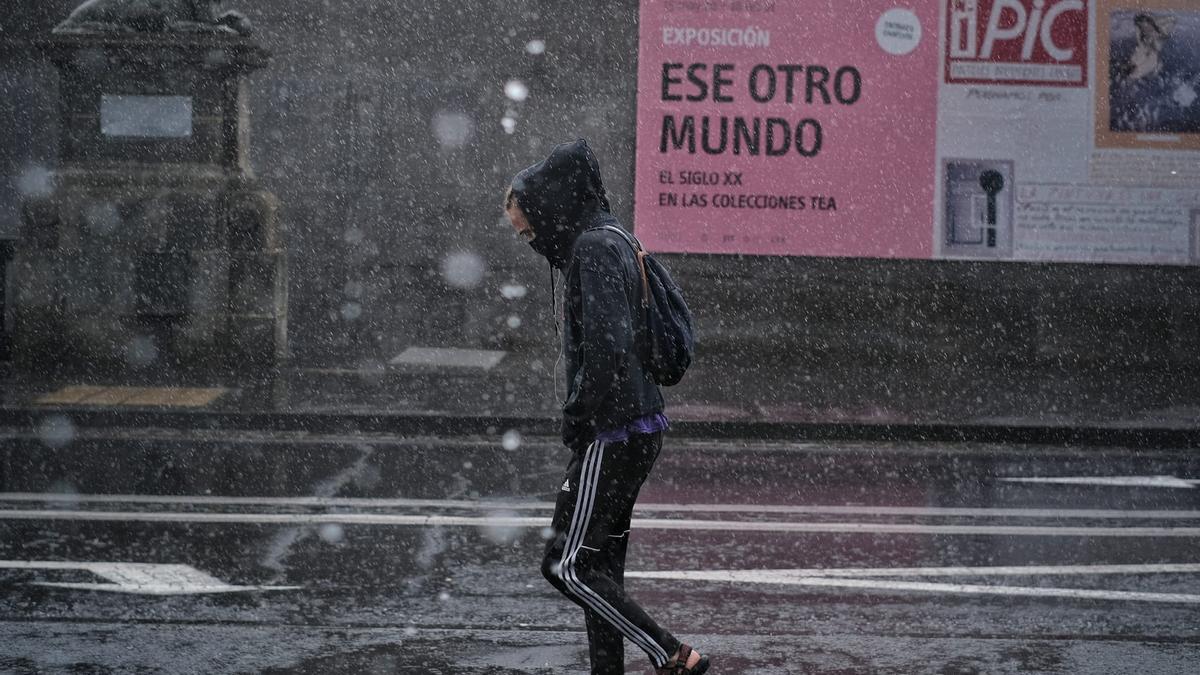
(558, 195)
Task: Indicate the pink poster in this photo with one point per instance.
(787, 128)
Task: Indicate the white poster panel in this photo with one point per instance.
(1069, 130)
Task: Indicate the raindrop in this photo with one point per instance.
(453, 129)
(351, 311)
(369, 477)
(535, 47)
(547, 533)
(443, 596)
(56, 431)
(513, 291)
(353, 236)
(509, 124)
(332, 533)
(514, 322)
(35, 181)
(1184, 95)
(61, 488)
(353, 289)
(141, 351)
(511, 440)
(102, 217)
(463, 269)
(468, 466)
(516, 90)
(410, 631)
(501, 534)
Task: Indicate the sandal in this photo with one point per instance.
(679, 665)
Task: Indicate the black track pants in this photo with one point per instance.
(585, 559)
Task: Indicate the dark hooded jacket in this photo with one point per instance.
(563, 198)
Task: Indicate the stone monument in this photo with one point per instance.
(153, 252)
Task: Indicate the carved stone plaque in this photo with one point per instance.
(146, 116)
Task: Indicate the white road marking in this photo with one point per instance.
(1113, 481)
(751, 576)
(499, 505)
(978, 571)
(638, 523)
(141, 578)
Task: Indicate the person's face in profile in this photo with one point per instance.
(520, 223)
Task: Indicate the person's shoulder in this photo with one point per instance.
(601, 242)
(603, 251)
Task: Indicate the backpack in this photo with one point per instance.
(667, 339)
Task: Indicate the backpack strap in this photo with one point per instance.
(641, 258)
(629, 238)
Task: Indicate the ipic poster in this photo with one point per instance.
(1050, 130)
(1091, 164)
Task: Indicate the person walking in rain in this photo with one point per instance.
(613, 415)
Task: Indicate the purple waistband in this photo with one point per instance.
(642, 425)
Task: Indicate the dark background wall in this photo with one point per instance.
(345, 131)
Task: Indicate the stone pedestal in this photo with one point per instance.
(154, 249)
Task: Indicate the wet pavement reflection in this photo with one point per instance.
(419, 555)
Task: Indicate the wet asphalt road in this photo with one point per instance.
(390, 555)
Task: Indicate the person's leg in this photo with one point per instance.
(608, 481)
(648, 448)
(651, 445)
(564, 511)
(606, 645)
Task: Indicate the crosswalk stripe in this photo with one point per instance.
(750, 576)
(638, 523)
(501, 505)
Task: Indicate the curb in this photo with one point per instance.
(452, 424)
